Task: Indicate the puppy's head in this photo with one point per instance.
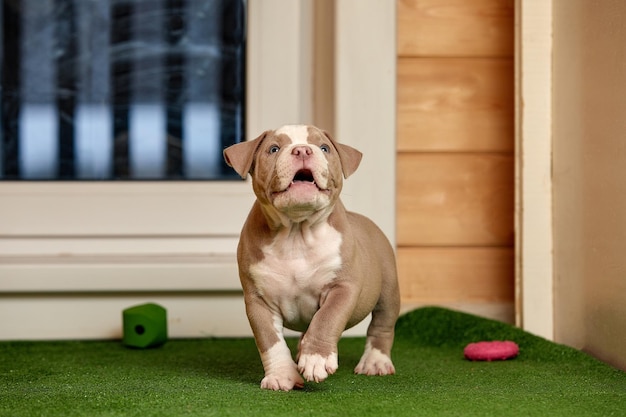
(298, 170)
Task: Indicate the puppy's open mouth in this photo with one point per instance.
(303, 177)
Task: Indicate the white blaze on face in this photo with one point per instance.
(298, 134)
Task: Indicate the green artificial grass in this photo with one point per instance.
(220, 377)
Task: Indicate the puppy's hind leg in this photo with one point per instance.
(376, 359)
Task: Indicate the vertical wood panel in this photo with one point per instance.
(455, 171)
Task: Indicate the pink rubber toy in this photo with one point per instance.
(491, 351)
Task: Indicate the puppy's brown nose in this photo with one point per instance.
(302, 152)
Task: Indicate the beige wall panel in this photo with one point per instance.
(455, 27)
(455, 104)
(589, 174)
(440, 275)
(455, 199)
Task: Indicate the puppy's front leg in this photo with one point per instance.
(317, 357)
(281, 372)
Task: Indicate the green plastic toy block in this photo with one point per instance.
(145, 326)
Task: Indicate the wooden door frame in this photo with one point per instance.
(534, 239)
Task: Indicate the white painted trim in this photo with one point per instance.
(365, 70)
(280, 41)
(534, 167)
(48, 209)
(208, 273)
(99, 315)
(65, 247)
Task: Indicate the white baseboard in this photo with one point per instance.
(98, 316)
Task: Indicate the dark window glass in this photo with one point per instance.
(120, 89)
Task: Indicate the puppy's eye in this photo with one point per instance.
(325, 148)
(274, 149)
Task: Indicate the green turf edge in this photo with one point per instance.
(440, 327)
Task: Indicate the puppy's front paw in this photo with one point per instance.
(282, 381)
(374, 362)
(316, 367)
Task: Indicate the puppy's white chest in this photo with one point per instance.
(296, 271)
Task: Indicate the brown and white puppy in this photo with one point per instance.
(306, 263)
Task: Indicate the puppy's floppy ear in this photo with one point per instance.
(350, 158)
(240, 156)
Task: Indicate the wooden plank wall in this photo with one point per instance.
(455, 178)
